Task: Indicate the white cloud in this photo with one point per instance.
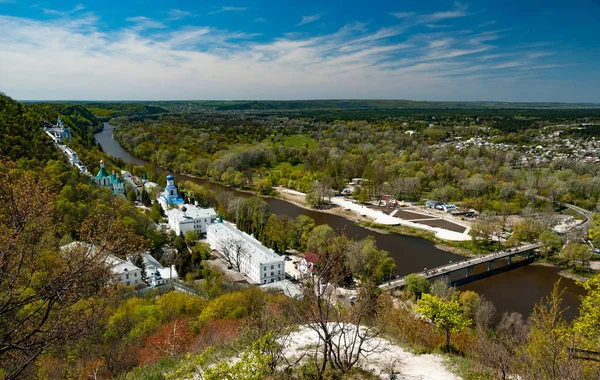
(143, 23)
(201, 62)
(178, 14)
(308, 19)
(403, 14)
(77, 8)
(228, 9)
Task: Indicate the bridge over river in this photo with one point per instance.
(446, 270)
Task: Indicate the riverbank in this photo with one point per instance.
(566, 273)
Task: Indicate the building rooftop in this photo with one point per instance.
(119, 265)
(258, 252)
(116, 264)
(189, 212)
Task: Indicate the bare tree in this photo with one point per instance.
(499, 349)
(234, 252)
(47, 296)
(345, 334)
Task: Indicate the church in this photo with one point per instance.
(109, 180)
(170, 196)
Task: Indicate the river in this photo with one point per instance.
(516, 290)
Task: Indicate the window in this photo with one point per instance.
(278, 272)
(271, 273)
(127, 276)
(272, 266)
(136, 282)
(264, 281)
(128, 283)
(135, 274)
(278, 265)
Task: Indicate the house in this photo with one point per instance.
(259, 263)
(152, 266)
(122, 271)
(190, 218)
(308, 263)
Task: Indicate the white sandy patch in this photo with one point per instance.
(382, 218)
(406, 365)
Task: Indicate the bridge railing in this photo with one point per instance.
(482, 259)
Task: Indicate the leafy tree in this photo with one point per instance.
(588, 322)
(416, 285)
(138, 261)
(319, 238)
(551, 243)
(527, 230)
(49, 297)
(574, 253)
(546, 353)
(301, 229)
(446, 315)
(191, 236)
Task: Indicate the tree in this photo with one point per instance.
(446, 315)
(253, 364)
(343, 336)
(499, 349)
(145, 197)
(416, 285)
(369, 263)
(191, 236)
(302, 227)
(551, 243)
(319, 238)
(138, 261)
(527, 230)
(546, 353)
(49, 297)
(234, 252)
(588, 322)
(573, 253)
(319, 195)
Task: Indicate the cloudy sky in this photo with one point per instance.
(526, 50)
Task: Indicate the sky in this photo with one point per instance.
(497, 50)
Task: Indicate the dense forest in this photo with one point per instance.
(409, 158)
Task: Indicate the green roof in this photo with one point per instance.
(102, 173)
(116, 180)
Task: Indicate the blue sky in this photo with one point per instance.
(527, 50)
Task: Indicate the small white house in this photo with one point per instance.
(190, 218)
(153, 266)
(124, 271)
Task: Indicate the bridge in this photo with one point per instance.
(468, 264)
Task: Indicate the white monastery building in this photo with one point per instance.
(259, 263)
(122, 271)
(190, 218)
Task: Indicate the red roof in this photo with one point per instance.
(311, 257)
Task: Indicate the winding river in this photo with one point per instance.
(516, 290)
